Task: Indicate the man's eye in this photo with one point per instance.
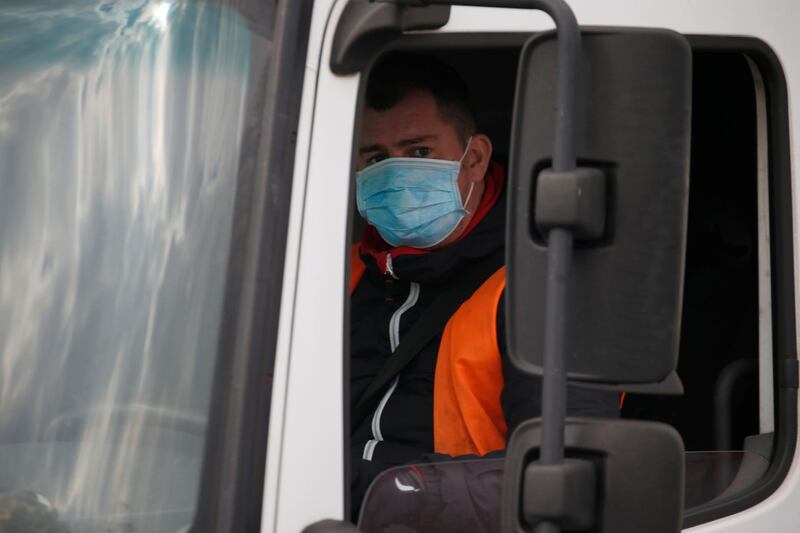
(374, 159)
(421, 151)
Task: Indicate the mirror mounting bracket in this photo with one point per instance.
(366, 27)
(564, 494)
(573, 199)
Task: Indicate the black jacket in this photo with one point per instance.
(397, 286)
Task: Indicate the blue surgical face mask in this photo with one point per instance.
(412, 201)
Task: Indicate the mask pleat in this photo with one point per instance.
(411, 201)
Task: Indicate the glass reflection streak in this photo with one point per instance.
(120, 127)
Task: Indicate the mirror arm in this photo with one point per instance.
(559, 229)
(559, 236)
(569, 44)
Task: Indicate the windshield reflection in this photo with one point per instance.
(120, 130)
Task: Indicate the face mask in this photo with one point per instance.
(412, 201)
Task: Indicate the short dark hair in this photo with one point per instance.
(398, 74)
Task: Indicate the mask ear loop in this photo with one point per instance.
(472, 186)
(466, 149)
(466, 201)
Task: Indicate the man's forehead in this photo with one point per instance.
(414, 118)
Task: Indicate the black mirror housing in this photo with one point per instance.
(626, 282)
(638, 468)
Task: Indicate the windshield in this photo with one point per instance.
(121, 126)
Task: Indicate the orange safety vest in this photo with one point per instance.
(467, 414)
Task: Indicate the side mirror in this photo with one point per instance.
(624, 476)
(633, 125)
(626, 206)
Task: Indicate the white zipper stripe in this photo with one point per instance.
(390, 266)
(376, 418)
(394, 323)
(369, 449)
(394, 341)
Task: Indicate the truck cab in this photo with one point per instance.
(176, 223)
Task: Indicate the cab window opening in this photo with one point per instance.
(723, 351)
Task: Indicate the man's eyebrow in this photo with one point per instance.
(370, 148)
(416, 140)
(400, 144)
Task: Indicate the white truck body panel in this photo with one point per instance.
(305, 458)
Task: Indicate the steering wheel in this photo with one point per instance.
(71, 421)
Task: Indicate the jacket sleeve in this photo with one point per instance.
(521, 398)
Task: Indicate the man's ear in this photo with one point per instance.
(478, 156)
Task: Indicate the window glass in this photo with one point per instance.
(121, 126)
(719, 349)
(711, 475)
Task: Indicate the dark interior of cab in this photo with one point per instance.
(719, 331)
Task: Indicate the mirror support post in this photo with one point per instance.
(554, 380)
(559, 238)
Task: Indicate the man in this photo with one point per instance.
(434, 203)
